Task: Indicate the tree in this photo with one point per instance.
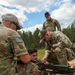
(36, 38)
(70, 31)
(30, 39)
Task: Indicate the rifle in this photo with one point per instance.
(55, 69)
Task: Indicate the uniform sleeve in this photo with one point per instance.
(58, 25)
(48, 48)
(33, 68)
(60, 41)
(18, 45)
(43, 26)
(64, 41)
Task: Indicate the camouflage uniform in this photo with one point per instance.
(61, 52)
(11, 45)
(27, 69)
(51, 24)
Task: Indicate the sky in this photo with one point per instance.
(31, 12)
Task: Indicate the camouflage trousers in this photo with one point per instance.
(26, 69)
(60, 56)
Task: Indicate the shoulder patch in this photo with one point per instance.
(58, 37)
(19, 39)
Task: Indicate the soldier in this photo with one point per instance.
(34, 59)
(12, 47)
(33, 54)
(57, 47)
(51, 24)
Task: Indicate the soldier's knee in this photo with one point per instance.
(57, 50)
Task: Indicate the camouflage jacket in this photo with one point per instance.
(61, 52)
(11, 45)
(27, 69)
(59, 39)
(51, 25)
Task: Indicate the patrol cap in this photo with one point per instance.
(13, 18)
(41, 35)
(47, 14)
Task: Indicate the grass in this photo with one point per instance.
(41, 53)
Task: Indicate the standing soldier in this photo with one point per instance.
(51, 24)
(12, 47)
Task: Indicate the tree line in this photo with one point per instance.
(31, 40)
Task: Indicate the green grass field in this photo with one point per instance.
(41, 53)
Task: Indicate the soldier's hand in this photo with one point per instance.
(44, 60)
(46, 63)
